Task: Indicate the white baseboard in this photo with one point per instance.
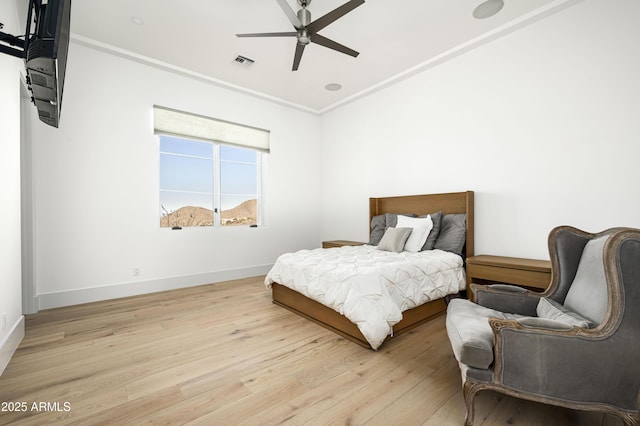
(134, 288)
(10, 342)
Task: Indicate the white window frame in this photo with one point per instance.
(188, 126)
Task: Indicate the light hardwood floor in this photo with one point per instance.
(224, 354)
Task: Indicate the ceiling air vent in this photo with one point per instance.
(244, 61)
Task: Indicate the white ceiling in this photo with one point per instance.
(395, 39)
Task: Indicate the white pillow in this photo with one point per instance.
(421, 227)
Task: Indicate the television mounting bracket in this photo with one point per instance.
(12, 41)
(20, 46)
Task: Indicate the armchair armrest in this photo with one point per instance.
(542, 324)
(506, 298)
(545, 359)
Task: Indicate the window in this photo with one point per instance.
(207, 182)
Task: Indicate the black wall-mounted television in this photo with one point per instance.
(45, 54)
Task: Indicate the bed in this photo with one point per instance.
(288, 292)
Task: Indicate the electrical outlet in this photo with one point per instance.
(137, 271)
(4, 321)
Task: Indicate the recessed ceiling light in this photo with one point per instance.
(137, 20)
(333, 87)
(487, 9)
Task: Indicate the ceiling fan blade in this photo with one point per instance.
(323, 41)
(293, 18)
(296, 60)
(287, 34)
(335, 14)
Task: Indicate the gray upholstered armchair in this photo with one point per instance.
(576, 345)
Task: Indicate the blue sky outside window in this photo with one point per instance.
(188, 171)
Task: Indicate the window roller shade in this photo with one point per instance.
(171, 122)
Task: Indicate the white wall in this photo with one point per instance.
(11, 328)
(96, 186)
(542, 124)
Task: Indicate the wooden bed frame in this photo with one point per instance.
(448, 203)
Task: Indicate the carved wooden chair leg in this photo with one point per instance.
(469, 390)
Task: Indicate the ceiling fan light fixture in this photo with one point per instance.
(488, 8)
(303, 37)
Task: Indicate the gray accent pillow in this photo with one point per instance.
(552, 310)
(391, 219)
(377, 229)
(452, 233)
(394, 239)
(436, 218)
(588, 293)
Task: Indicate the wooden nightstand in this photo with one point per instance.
(340, 243)
(530, 273)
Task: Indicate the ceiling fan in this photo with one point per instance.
(306, 31)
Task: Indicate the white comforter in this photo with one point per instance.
(370, 287)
